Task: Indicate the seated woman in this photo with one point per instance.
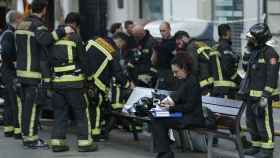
(186, 99)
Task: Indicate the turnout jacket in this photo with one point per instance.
(32, 40)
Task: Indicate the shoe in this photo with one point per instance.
(169, 154)
(99, 138)
(264, 153)
(9, 134)
(245, 143)
(90, 148)
(60, 148)
(251, 151)
(35, 144)
(17, 136)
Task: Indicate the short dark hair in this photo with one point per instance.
(127, 22)
(114, 27)
(180, 34)
(121, 35)
(183, 60)
(73, 18)
(37, 6)
(223, 29)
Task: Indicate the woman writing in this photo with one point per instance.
(186, 99)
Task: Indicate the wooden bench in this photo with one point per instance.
(227, 113)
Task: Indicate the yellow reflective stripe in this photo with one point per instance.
(70, 45)
(24, 32)
(117, 104)
(88, 117)
(64, 68)
(256, 143)
(55, 36)
(127, 84)
(276, 92)
(30, 138)
(8, 128)
(269, 143)
(69, 78)
(276, 104)
(28, 66)
(17, 131)
(261, 60)
(42, 28)
(220, 74)
(19, 105)
(29, 74)
(210, 80)
(97, 81)
(255, 93)
(98, 46)
(269, 89)
(233, 76)
(201, 50)
(97, 128)
(58, 142)
(46, 79)
(153, 70)
(212, 53)
(84, 142)
(32, 120)
(224, 84)
(130, 65)
(66, 43)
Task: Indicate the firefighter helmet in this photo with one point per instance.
(259, 33)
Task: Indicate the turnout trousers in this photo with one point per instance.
(260, 125)
(62, 100)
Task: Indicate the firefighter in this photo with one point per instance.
(261, 63)
(201, 55)
(163, 55)
(225, 68)
(8, 54)
(68, 65)
(101, 53)
(32, 39)
(141, 71)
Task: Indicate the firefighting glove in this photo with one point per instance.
(145, 78)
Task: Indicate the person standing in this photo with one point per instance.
(68, 64)
(32, 40)
(259, 89)
(12, 109)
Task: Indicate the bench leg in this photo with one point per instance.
(134, 130)
(210, 146)
(183, 140)
(239, 147)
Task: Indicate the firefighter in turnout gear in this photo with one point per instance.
(102, 67)
(141, 71)
(261, 63)
(202, 56)
(68, 64)
(8, 54)
(225, 66)
(32, 38)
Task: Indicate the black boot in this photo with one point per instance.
(17, 136)
(35, 144)
(245, 143)
(264, 153)
(169, 154)
(60, 148)
(90, 148)
(251, 151)
(9, 134)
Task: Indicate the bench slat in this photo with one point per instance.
(222, 102)
(222, 110)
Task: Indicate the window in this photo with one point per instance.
(151, 9)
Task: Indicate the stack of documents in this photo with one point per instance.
(162, 112)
